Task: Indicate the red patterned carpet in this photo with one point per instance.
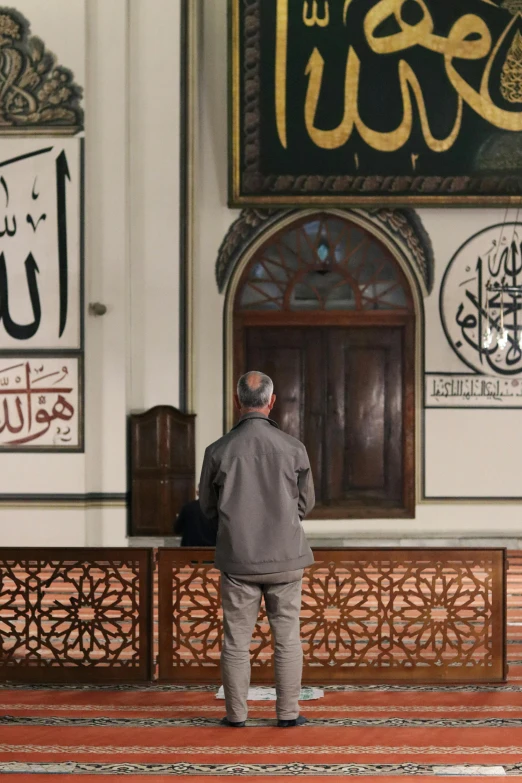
(163, 732)
(160, 732)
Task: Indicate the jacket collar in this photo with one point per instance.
(254, 415)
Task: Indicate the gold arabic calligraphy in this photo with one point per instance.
(468, 39)
(313, 18)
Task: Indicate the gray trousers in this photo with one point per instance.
(241, 603)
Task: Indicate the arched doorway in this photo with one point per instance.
(324, 308)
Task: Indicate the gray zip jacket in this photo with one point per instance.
(257, 484)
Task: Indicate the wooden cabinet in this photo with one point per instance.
(162, 469)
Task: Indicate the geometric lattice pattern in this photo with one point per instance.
(74, 614)
(323, 263)
(385, 614)
(367, 615)
(417, 615)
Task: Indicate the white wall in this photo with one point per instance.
(61, 25)
(125, 53)
(456, 441)
(213, 219)
(154, 94)
(469, 453)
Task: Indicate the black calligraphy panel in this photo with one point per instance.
(363, 101)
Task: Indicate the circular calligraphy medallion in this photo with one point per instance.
(493, 255)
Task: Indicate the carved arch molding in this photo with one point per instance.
(401, 228)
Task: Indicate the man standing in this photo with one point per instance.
(257, 483)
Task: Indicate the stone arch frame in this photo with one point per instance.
(400, 230)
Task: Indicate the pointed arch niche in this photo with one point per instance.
(329, 304)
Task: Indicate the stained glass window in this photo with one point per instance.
(324, 263)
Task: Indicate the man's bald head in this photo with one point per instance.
(254, 390)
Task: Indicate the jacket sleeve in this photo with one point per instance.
(305, 483)
(208, 498)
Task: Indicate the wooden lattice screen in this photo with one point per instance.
(75, 615)
(86, 615)
(423, 615)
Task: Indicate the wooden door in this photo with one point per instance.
(364, 421)
(293, 357)
(341, 391)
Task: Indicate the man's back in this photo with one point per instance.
(257, 481)
(257, 484)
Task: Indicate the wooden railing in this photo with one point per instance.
(96, 615)
(418, 615)
(75, 615)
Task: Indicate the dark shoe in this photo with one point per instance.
(287, 724)
(227, 722)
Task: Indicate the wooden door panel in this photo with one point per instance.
(365, 409)
(279, 354)
(341, 391)
(365, 405)
(294, 359)
(396, 406)
(314, 413)
(335, 440)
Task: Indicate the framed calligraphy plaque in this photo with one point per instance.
(467, 311)
(469, 390)
(41, 246)
(358, 101)
(41, 219)
(41, 403)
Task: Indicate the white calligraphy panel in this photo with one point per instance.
(40, 403)
(492, 255)
(467, 390)
(40, 243)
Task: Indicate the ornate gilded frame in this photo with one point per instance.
(246, 185)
